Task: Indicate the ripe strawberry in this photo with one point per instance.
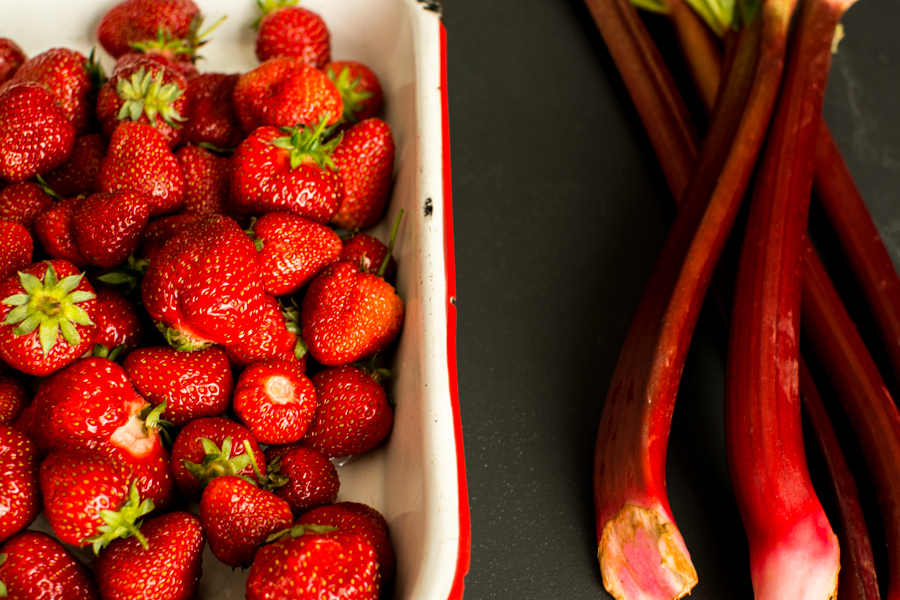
(80, 174)
(169, 564)
(359, 87)
(305, 479)
(313, 562)
(212, 118)
(23, 203)
(209, 447)
(353, 415)
(141, 20)
(161, 230)
(369, 253)
(292, 249)
(139, 159)
(192, 384)
(35, 135)
(16, 247)
(107, 226)
(45, 299)
(53, 228)
(238, 517)
(118, 324)
(207, 179)
(34, 565)
(347, 315)
(11, 58)
(275, 337)
(284, 92)
(275, 171)
(20, 500)
(13, 398)
(275, 400)
(365, 159)
(288, 30)
(204, 287)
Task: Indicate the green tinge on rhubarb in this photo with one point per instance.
(146, 94)
(50, 306)
(124, 522)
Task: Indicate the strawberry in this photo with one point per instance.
(275, 337)
(369, 253)
(353, 415)
(40, 302)
(288, 30)
(286, 172)
(192, 384)
(107, 226)
(365, 159)
(292, 249)
(209, 447)
(284, 92)
(80, 174)
(11, 58)
(238, 517)
(13, 398)
(34, 565)
(139, 159)
(207, 179)
(161, 230)
(204, 287)
(19, 494)
(347, 315)
(212, 118)
(359, 87)
(118, 324)
(53, 228)
(275, 400)
(23, 203)
(16, 247)
(311, 562)
(305, 479)
(169, 563)
(35, 135)
(134, 21)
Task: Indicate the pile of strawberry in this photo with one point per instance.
(181, 324)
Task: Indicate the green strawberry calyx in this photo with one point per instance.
(307, 144)
(182, 340)
(50, 306)
(124, 522)
(172, 47)
(270, 6)
(351, 94)
(219, 461)
(146, 94)
(298, 530)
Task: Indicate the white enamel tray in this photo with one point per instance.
(417, 479)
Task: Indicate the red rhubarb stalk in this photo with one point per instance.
(793, 551)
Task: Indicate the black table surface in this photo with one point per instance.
(559, 211)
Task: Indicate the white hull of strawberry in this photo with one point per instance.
(417, 478)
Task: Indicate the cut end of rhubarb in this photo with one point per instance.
(643, 557)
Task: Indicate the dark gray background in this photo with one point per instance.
(559, 210)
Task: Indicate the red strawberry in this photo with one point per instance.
(13, 398)
(19, 494)
(11, 58)
(207, 179)
(314, 562)
(305, 479)
(16, 247)
(161, 230)
(288, 30)
(35, 135)
(34, 565)
(275, 171)
(347, 315)
(359, 87)
(107, 226)
(369, 253)
(204, 287)
(141, 20)
(23, 203)
(276, 336)
(118, 324)
(139, 159)
(238, 517)
(210, 447)
(169, 563)
(353, 416)
(192, 384)
(44, 300)
(53, 228)
(275, 400)
(292, 250)
(80, 174)
(284, 92)
(365, 160)
(212, 118)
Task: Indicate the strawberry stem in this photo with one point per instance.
(387, 257)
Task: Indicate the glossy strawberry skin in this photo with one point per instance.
(171, 565)
(212, 117)
(53, 228)
(368, 252)
(312, 481)
(294, 31)
(347, 315)
(275, 337)
(118, 323)
(365, 160)
(11, 58)
(23, 203)
(204, 285)
(207, 179)
(292, 249)
(35, 135)
(80, 174)
(107, 226)
(363, 81)
(238, 517)
(275, 400)
(19, 492)
(139, 20)
(16, 248)
(38, 566)
(193, 384)
(161, 230)
(13, 398)
(264, 181)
